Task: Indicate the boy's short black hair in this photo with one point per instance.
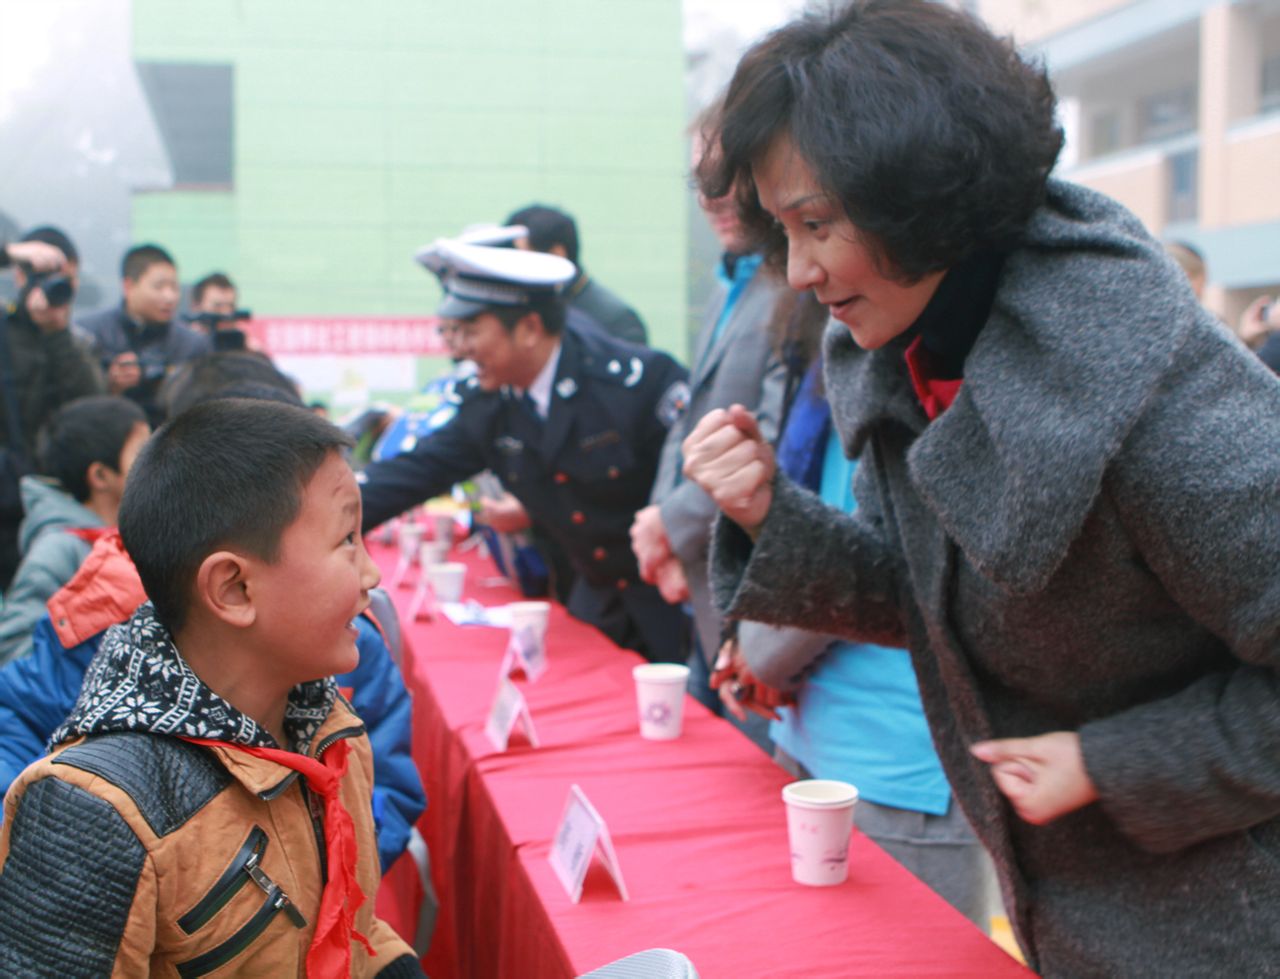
(226, 473)
(225, 374)
(82, 432)
(138, 259)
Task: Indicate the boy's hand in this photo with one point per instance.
(1043, 777)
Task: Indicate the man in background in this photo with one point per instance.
(555, 232)
(215, 311)
(734, 363)
(43, 365)
(139, 340)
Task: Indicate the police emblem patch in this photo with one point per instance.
(673, 403)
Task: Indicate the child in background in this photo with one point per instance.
(84, 453)
(208, 800)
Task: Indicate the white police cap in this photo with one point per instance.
(493, 235)
(478, 277)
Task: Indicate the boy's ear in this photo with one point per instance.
(98, 476)
(221, 587)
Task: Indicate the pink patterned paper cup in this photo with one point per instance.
(819, 823)
(660, 691)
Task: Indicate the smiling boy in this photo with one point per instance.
(207, 804)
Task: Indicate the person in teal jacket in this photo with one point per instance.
(85, 451)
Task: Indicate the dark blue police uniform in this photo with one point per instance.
(581, 474)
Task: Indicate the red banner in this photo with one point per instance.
(347, 336)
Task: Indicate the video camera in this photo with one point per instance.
(210, 322)
(57, 287)
(223, 338)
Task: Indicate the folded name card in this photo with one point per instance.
(509, 708)
(526, 649)
(582, 834)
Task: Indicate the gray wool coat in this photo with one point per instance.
(1087, 540)
(739, 368)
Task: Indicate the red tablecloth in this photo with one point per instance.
(698, 825)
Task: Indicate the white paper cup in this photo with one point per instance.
(819, 822)
(447, 580)
(433, 552)
(442, 525)
(530, 615)
(410, 538)
(660, 691)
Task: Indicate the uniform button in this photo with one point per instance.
(561, 478)
(599, 554)
(614, 473)
(622, 584)
(578, 517)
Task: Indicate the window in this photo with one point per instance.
(1167, 114)
(1104, 133)
(192, 107)
(1270, 97)
(1183, 196)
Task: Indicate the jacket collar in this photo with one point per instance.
(138, 681)
(1086, 322)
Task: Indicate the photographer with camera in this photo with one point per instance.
(139, 341)
(44, 363)
(214, 313)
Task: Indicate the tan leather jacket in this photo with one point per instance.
(223, 851)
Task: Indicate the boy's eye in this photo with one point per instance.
(814, 225)
(350, 538)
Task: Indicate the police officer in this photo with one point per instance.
(572, 422)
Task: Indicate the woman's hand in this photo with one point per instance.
(1042, 777)
(739, 689)
(672, 583)
(728, 457)
(649, 542)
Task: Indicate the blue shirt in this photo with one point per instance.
(858, 717)
(744, 268)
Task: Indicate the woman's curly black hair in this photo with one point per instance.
(932, 133)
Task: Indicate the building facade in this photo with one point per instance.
(316, 144)
(1173, 108)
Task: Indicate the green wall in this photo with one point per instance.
(364, 130)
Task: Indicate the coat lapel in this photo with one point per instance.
(1052, 388)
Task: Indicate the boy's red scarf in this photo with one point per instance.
(329, 956)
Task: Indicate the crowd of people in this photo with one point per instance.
(963, 498)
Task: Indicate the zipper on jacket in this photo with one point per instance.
(228, 885)
(220, 955)
(278, 789)
(245, 867)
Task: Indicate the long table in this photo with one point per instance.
(698, 825)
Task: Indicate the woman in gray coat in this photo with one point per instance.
(1069, 487)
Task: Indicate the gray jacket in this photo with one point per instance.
(1088, 540)
(51, 555)
(740, 368)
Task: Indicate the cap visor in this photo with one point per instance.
(453, 308)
